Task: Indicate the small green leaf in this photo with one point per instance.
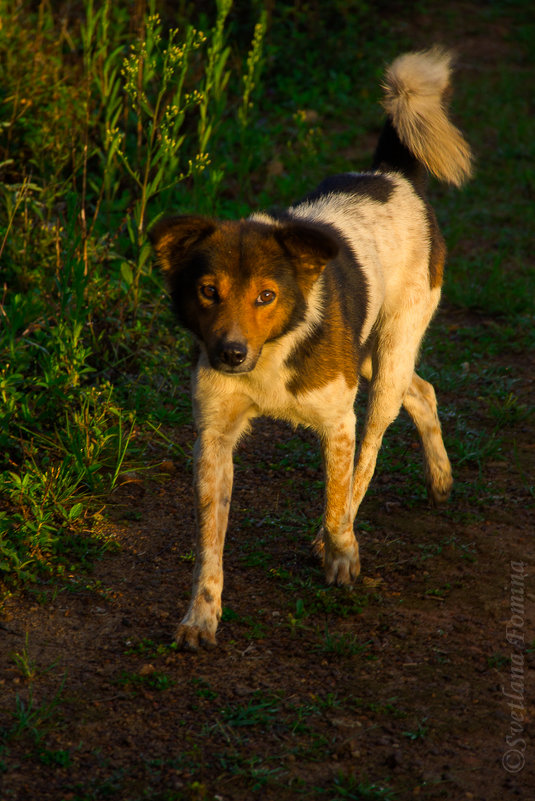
(75, 511)
(126, 273)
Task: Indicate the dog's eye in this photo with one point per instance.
(209, 292)
(265, 297)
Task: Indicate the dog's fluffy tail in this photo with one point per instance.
(417, 87)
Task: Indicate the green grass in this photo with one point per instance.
(31, 719)
(154, 680)
(25, 664)
(341, 644)
(348, 787)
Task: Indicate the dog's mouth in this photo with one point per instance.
(237, 370)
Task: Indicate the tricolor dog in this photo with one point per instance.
(290, 309)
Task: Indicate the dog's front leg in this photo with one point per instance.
(213, 472)
(337, 538)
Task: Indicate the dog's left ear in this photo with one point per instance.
(311, 246)
(173, 237)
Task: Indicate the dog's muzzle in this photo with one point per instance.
(232, 357)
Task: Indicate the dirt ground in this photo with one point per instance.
(418, 683)
(419, 680)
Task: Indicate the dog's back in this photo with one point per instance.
(390, 244)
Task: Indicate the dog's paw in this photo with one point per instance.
(439, 483)
(341, 566)
(198, 627)
(191, 638)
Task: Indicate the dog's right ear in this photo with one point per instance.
(172, 237)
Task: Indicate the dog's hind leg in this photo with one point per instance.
(389, 370)
(383, 408)
(420, 402)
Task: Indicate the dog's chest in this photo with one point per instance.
(266, 391)
(316, 408)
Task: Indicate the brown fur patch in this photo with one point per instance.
(339, 455)
(328, 352)
(171, 237)
(437, 252)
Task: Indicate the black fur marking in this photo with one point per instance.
(376, 187)
(182, 285)
(344, 276)
(349, 282)
(297, 316)
(288, 288)
(391, 154)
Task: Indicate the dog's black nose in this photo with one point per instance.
(233, 354)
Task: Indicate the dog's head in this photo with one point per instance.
(238, 285)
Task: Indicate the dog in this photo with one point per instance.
(290, 309)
